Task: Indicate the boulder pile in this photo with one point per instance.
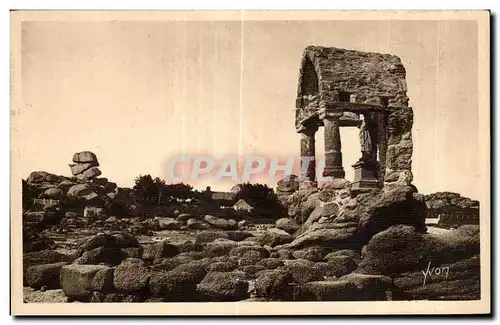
(336, 244)
(225, 266)
(48, 197)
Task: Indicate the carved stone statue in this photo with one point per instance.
(366, 168)
(368, 154)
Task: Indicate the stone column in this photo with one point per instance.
(333, 152)
(308, 152)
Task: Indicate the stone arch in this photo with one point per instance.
(309, 77)
(309, 84)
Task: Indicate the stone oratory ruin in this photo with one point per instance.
(346, 88)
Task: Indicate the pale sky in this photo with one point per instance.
(138, 93)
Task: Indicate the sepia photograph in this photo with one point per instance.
(250, 162)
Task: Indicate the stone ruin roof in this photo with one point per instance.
(326, 72)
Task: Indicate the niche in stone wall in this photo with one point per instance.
(344, 96)
(309, 79)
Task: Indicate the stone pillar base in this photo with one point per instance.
(366, 185)
(334, 172)
(365, 176)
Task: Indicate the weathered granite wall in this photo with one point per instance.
(400, 147)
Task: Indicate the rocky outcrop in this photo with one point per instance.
(441, 200)
(131, 276)
(107, 240)
(303, 271)
(160, 250)
(274, 238)
(174, 285)
(219, 248)
(416, 250)
(448, 281)
(327, 291)
(381, 210)
(355, 255)
(338, 244)
(426, 266)
(452, 209)
(83, 190)
(44, 275)
(221, 223)
(302, 202)
(223, 266)
(287, 224)
(52, 193)
(351, 287)
(337, 267)
(274, 285)
(80, 191)
(80, 168)
(89, 174)
(103, 255)
(391, 268)
(33, 241)
(335, 237)
(346, 220)
(372, 287)
(313, 254)
(223, 286)
(250, 251)
(40, 177)
(209, 236)
(43, 257)
(76, 280)
(103, 280)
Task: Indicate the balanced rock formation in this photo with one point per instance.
(85, 165)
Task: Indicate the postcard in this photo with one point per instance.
(250, 162)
